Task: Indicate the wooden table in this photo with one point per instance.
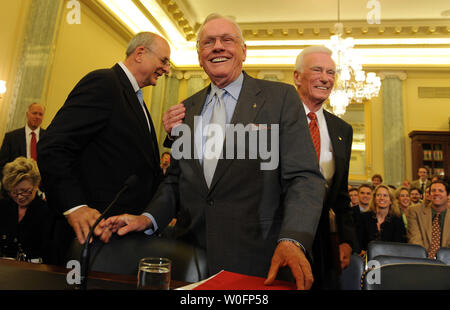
(16, 275)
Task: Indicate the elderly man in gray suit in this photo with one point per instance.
(250, 218)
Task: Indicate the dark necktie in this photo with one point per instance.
(435, 237)
(315, 133)
(33, 153)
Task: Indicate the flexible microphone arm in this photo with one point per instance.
(84, 261)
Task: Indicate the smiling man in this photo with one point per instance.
(102, 135)
(429, 225)
(249, 220)
(314, 77)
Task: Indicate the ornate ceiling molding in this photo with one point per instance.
(177, 11)
(356, 29)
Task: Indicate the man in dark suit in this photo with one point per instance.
(314, 78)
(20, 142)
(103, 135)
(422, 182)
(250, 219)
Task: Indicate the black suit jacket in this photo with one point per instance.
(240, 218)
(337, 199)
(97, 140)
(392, 229)
(14, 145)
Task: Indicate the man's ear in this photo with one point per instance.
(297, 78)
(244, 49)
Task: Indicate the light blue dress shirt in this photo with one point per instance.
(230, 99)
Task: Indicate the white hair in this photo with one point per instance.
(310, 50)
(213, 16)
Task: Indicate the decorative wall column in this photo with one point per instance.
(35, 60)
(196, 81)
(393, 127)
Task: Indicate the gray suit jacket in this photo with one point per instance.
(240, 218)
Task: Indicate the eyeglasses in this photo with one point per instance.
(23, 192)
(164, 61)
(226, 40)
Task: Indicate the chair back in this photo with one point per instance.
(376, 248)
(122, 254)
(443, 254)
(407, 276)
(350, 278)
(386, 260)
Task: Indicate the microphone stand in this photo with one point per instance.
(85, 253)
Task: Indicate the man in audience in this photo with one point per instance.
(250, 220)
(422, 182)
(165, 162)
(102, 136)
(416, 196)
(364, 197)
(429, 225)
(23, 141)
(314, 77)
(377, 179)
(354, 197)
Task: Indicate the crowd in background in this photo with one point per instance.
(382, 212)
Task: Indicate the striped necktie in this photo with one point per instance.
(214, 141)
(33, 152)
(315, 133)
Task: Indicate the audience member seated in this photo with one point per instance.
(354, 197)
(25, 220)
(382, 222)
(416, 196)
(429, 225)
(404, 202)
(364, 197)
(427, 195)
(422, 182)
(406, 184)
(165, 162)
(377, 179)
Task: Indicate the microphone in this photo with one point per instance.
(84, 261)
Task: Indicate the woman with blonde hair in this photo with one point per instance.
(403, 201)
(382, 221)
(25, 220)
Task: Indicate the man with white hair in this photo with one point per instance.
(332, 137)
(250, 220)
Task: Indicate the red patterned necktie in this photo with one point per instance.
(33, 153)
(315, 133)
(435, 237)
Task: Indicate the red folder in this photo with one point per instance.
(226, 280)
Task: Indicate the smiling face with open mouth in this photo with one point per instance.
(153, 62)
(317, 79)
(221, 51)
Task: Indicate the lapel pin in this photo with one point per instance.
(254, 105)
(340, 139)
